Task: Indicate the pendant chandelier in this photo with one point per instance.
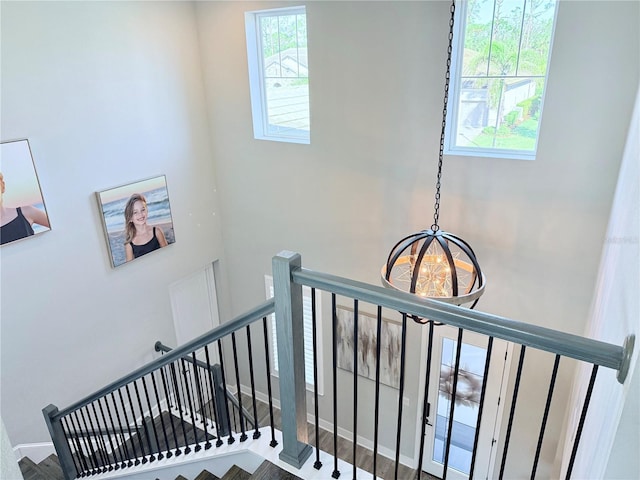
(432, 263)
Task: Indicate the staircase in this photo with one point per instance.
(198, 387)
(49, 469)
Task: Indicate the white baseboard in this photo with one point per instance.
(35, 451)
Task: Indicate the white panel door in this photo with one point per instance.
(194, 305)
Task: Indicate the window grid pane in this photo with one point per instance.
(502, 69)
(285, 75)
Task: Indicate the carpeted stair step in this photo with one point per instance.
(236, 473)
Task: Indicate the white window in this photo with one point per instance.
(498, 77)
(279, 74)
(308, 334)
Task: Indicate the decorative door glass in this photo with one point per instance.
(465, 416)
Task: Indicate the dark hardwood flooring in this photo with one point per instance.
(385, 467)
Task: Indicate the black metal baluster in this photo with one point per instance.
(376, 408)
(181, 386)
(122, 440)
(73, 445)
(118, 446)
(212, 402)
(425, 404)
(454, 392)
(131, 439)
(230, 440)
(152, 457)
(587, 399)
(89, 436)
(169, 454)
(552, 383)
(268, 368)
(173, 427)
(115, 461)
(189, 373)
(207, 443)
(317, 464)
(160, 455)
(334, 316)
(187, 449)
(87, 440)
(138, 433)
(85, 458)
(355, 386)
(403, 356)
(512, 412)
(86, 470)
(206, 414)
(487, 363)
(190, 405)
(172, 386)
(256, 432)
(97, 434)
(243, 436)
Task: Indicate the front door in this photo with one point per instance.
(470, 378)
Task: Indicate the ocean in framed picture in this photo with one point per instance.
(158, 213)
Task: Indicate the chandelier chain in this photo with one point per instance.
(436, 213)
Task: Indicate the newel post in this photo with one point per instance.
(60, 443)
(290, 333)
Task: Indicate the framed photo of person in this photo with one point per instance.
(136, 218)
(22, 210)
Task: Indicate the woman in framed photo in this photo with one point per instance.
(140, 238)
(16, 222)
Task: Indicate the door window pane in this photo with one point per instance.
(465, 417)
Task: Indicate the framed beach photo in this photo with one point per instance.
(136, 218)
(22, 210)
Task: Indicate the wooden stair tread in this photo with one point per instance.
(48, 469)
(51, 467)
(236, 473)
(206, 475)
(270, 471)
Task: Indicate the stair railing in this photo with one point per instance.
(159, 410)
(231, 397)
(289, 277)
(123, 412)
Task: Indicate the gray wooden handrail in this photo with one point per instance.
(569, 345)
(217, 333)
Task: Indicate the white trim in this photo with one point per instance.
(35, 451)
(259, 113)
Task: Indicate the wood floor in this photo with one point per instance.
(385, 467)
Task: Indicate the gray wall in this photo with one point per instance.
(107, 93)
(366, 179)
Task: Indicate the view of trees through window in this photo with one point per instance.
(502, 69)
(285, 70)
